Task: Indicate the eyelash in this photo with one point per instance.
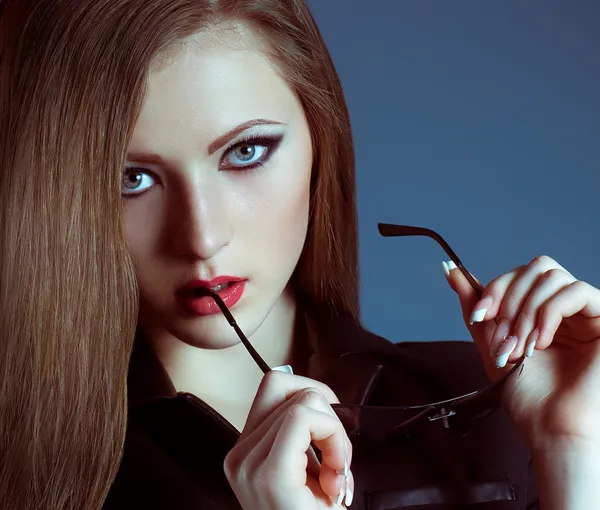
(270, 143)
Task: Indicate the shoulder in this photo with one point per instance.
(454, 367)
(457, 364)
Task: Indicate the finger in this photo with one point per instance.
(334, 483)
(548, 284)
(260, 438)
(466, 293)
(299, 426)
(307, 396)
(248, 465)
(256, 446)
(481, 333)
(350, 489)
(488, 306)
(313, 465)
(477, 308)
(504, 296)
(502, 344)
(515, 296)
(485, 333)
(577, 297)
(276, 388)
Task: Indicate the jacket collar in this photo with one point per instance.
(338, 346)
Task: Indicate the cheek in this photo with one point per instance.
(139, 231)
(284, 214)
(292, 227)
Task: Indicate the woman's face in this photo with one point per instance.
(217, 184)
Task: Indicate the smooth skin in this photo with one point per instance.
(270, 466)
(197, 212)
(196, 206)
(555, 403)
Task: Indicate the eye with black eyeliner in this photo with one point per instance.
(250, 152)
(129, 182)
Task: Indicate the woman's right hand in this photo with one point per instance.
(272, 465)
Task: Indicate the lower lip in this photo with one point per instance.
(205, 305)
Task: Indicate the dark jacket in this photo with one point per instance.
(176, 443)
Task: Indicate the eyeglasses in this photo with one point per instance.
(384, 423)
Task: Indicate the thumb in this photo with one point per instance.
(480, 331)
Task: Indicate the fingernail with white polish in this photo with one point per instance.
(349, 496)
(481, 309)
(342, 491)
(447, 267)
(284, 368)
(531, 344)
(479, 315)
(344, 483)
(506, 350)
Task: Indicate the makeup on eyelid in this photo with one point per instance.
(239, 211)
(270, 143)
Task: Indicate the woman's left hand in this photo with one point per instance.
(544, 311)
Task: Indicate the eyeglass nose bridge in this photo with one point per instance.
(443, 415)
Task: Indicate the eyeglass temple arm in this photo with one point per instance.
(259, 361)
(391, 230)
(386, 230)
(255, 356)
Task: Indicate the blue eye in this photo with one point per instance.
(250, 153)
(246, 154)
(133, 180)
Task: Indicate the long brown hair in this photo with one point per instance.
(72, 80)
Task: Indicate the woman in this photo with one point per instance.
(232, 127)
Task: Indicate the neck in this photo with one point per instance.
(228, 378)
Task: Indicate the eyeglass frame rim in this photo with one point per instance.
(386, 230)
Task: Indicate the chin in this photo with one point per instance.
(212, 331)
(212, 342)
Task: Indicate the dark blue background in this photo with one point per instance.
(480, 120)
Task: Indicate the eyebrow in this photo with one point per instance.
(213, 147)
(223, 139)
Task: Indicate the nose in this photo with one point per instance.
(199, 226)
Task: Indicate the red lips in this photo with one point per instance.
(209, 284)
(206, 305)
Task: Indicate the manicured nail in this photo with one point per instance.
(344, 483)
(345, 470)
(284, 368)
(532, 341)
(506, 350)
(447, 267)
(480, 309)
(342, 491)
(349, 496)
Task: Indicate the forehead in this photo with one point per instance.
(211, 82)
(234, 36)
